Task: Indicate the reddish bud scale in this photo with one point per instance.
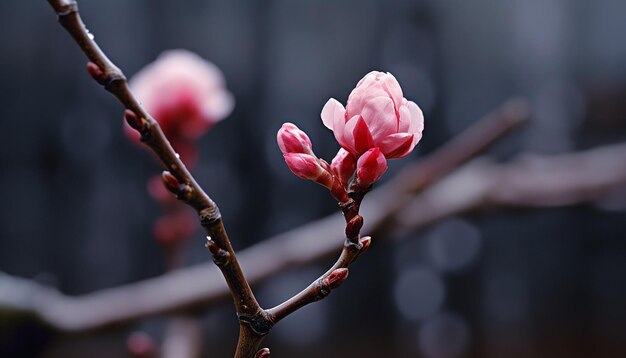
(133, 120)
(336, 278)
(96, 73)
(365, 244)
(170, 182)
(353, 227)
(338, 191)
(263, 353)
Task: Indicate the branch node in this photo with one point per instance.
(353, 227)
(68, 8)
(365, 244)
(220, 256)
(184, 192)
(260, 323)
(209, 216)
(330, 282)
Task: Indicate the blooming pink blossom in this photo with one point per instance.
(293, 140)
(184, 93)
(370, 168)
(376, 116)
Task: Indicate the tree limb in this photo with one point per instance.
(566, 179)
(179, 290)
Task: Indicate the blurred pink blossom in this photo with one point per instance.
(184, 93)
(376, 116)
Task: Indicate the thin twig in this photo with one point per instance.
(114, 81)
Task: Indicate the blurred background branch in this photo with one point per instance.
(530, 181)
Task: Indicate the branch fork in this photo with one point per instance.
(255, 322)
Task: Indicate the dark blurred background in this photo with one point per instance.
(76, 215)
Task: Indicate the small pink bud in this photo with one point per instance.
(262, 353)
(343, 166)
(336, 278)
(170, 182)
(96, 73)
(308, 167)
(131, 118)
(293, 140)
(370, 168)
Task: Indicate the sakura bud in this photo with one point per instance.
(336, 278)
(293, 140)
(96, 73)
(370, 168)
(132, 120)
(170, 182)
(262, 353)
(308, 167)
(343, 166)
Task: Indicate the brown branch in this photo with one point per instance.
(114, 81)
(296, 247)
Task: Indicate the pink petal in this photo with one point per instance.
(362, 137)
(347, 138)
(392, 87)
(405, 119)
(368, 88)
(397, 145)
(417, 121)
(380, 116)
(332, 109)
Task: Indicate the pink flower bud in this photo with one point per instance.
(307, 166)
(183, 92)
(292, 140)
(336, 278)
(376, 115)
(343, 166)
(370, 167)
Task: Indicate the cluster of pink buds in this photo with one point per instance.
(377, 124)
